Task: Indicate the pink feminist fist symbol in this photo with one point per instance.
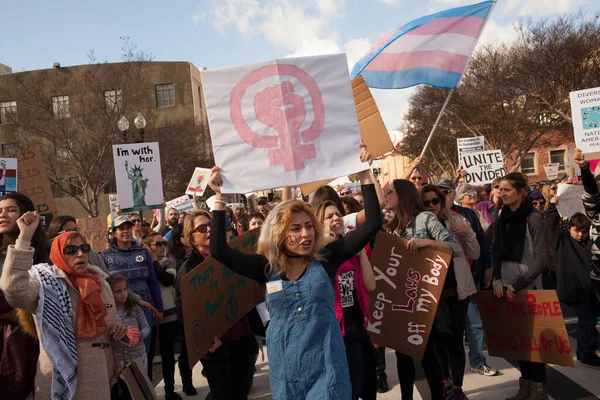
(283, 110)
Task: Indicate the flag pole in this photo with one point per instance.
(437, 121)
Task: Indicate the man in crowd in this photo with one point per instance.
(172, 220)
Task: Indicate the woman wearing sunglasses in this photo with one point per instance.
(227, 367)
(76, 349)
(421, 229)
(165, 269)
(134, 262)
(458, 286)
(20, 350)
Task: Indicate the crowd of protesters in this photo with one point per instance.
(71, 316)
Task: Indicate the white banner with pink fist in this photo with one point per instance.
(283, 122)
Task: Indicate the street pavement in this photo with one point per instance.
(579, 383)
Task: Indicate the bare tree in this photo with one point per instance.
(76, 133)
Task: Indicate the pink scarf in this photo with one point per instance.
(352, 264)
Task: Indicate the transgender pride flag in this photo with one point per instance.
(433, 50)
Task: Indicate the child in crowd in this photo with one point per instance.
(131, 315)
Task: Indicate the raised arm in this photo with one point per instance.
(249, 265)
(350, 245)
(20, 289)
(552, 220)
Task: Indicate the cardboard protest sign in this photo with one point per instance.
(198, 182)
(94, 232)
(214, 298)
(33, 181)
(551, 170)
(569, 199)
(469, 145)
(138, 175)
(183, 204)
(282, 122)
(405, 301)
(483, 167)
(529, 327)
(309, 188)
(8, 175)
(585, 111)
(372, 129)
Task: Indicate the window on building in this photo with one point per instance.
(10, 149)
(165, 95)
(8, 112)
(113, 100)
(60, 107)
(528, 164)
(558, 157)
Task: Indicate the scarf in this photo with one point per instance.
(352, 264)
(511, 231)
(55, 320)
(91, 310)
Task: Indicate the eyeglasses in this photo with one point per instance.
(124, 227)
(203, 228)
(72, 249)
(435, 202)
(135, 220)
(160, 244)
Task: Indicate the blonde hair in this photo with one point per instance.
(188, 226)
(271, 242)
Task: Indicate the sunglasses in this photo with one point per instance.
(345, 194)
(416, 178)
(446, 191)
(262, 203)
(553, 187)
(71, 250)
(160, 244)
(135, 221)
(201, 228)
(538, 203)
(471, 194)
(496, 187)
(435, 202)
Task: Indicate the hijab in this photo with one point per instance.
(91, 310)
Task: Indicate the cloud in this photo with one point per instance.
(389, 2)
(541, 7)
(494, 33)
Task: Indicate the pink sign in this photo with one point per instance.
(283, 110)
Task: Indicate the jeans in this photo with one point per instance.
(587, 335)
(475, 334)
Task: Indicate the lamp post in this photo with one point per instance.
(139, 122)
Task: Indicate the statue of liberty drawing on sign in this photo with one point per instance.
(138, 185)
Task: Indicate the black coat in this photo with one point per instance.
(571, 261)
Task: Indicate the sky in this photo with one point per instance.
(219, 33)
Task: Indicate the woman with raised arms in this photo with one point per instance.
(307, 357)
